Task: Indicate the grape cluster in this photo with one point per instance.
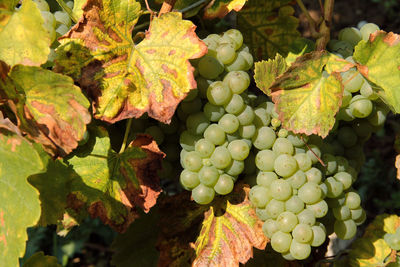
(393, 240)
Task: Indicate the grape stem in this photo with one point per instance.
(71, 14)
(166, 7)
(127, 129)
(325, 26)
(318, 158)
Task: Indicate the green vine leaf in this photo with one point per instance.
(19, 201)
(112, 186)
(379, 62)
(126, 79)
(306, 96)
(268, 27)
(77, 10)
(228, 234)
(23, 39)
(49, 107)
(40, 260)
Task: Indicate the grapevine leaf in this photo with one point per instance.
(19, 202)
(379, 62)
(371, 249)
(227, 237)
(77, 10)
(49, 107)
(307, 97)
(112, 185)
(65, 225)
(40, 260)
(268, 27)
(220, 8)
(127, 79)
(267, 71)
(23, 39)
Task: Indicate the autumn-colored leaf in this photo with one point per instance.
(19, 201)
(229, 234)
(126, 79)
(379, 62)
(49, 107)
(268, 27)
(23, 40)
(266, 72)
(112, 185)
(306, 96)
(220, 8)
(40, 260)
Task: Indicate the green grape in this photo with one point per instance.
(307, 217)
(248, 58)
(229, 123)
(345, 114)
(204, 148)
(302, 233)
(360, 106)
(347, 137)
(156, 133)
(189, 179)
(300, 251)
(324, 189)
(314, 175)
(294, 204)
(247, 131)
(351, 35)
(203, 194)
(283, 133)
(275, 123)
(287, 256)
(287, 221)
(297, 140)
(330, 164)
(262, 214)
(224, 185)
(282, 146)
(188, 140)
(259, 196)
(235, 168)
(285, 165)
(221, 158)
(353, 200)
(342, 47)
(192, 161)
(319, 236)
(298, 150)
(265, 160)
(62, 18)
(367, 29)
(264, 138)
(367, 91)
(235, 105)
(266, 178)
(247, 116)
(320, 208)
(239, 149)
(236, 36)
(226, 53)
(274, 207)
(314, 153)
(352, 80)
(208, 175)
(61, 30)
(310, 193)
(209, 67)
(345, 229)
(215, 134)
(378, 116)
(270, 227)
(281, 241)
(42, 5)
(342, 213)
(347, 96)
(239, 64)
(335, 188)
(197, 123)
(297, 179)
(218, 93)
(360, 220)
(238, 81)
(280, 189)
(191, 106)
(262, 118)
(345, 178)
(213, 112)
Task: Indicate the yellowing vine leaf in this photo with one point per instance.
(267, 71)
(126, 79)
(112, 185)
(220, 8)
(23, 40)
(306, 96)
(379, 61)
(48, 106)
(227, 237)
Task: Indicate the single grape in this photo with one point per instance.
(342, 213)
(192, 95)
(319, 236)
(353, 200)
(285, 165)
(192, 161)
(247, 116)
(239, 64)
(248, 58)
(280, 189)
(283, 133)
(209, 67)
(347, 96)
(262, 214)
(238, 81)
(236, 36)
(208, 175)
(314, 175)
(287, 221)
(235, 105)
(297, 179)
(300, 251)
(259, 196)
(226, 53)
(282, 146)
(229, 123)
(361, 219)
(235, 168)
(367, 29)
(247, 131)
(189, 179)
(330, 164)
(294, 204)
(352, 80)
(218, 93)
(351, 35)
(270, 227)
(62, 18)
(221, 158)
(345, 178)
(61, 30)
(302, 233)
(303, 161)
(239, 149)
(224, 185)
(203, 194)
(335, 188)
(310, 193)
(264, 138)
(204, 148)
(265, 160)
(281, 241)
(213, 112)
(215, 134)
(378, 116)
(266, 178)
(314, 153)
(262, 118)
(345, 229)
(274, 207)
(361, 107)
(367, 91)
(307, 217)
(320, 208)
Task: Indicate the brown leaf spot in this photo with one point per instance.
(172, 52)
(151, 51)
(164, 34)
(166, 69)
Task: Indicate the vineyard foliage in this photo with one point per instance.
(101, 104)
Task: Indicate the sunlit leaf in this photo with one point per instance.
(77, 10)
(49, 107)
(220, 8)
(379, 62)
(127, 79)
(40, 260)
(19, 201)
(229, 234)
(23, 40)
(112, 185)
(268, 27)
(266, 72)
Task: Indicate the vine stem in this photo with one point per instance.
(325, 27)
(311, 21)
(64, 6)
(127, 130)
(166, 7)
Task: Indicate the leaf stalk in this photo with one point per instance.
(127, 130)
